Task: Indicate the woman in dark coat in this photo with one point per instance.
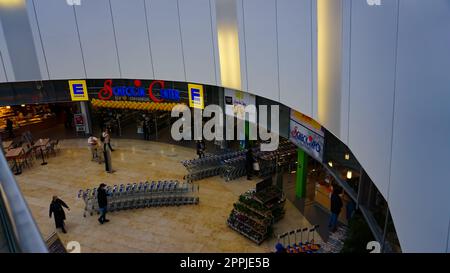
(56, 207)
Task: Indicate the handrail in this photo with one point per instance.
(24, 228)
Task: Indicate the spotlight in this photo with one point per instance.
(349, 175)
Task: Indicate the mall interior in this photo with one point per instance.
(357, 94)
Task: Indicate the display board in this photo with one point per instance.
(79, 122)
(307, 134)
(235, 103)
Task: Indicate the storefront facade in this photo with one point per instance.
(89, 106)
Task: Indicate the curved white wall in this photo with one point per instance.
(383, 84)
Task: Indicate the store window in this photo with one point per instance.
(7, 96)
(342, 162)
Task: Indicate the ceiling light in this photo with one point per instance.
(349, 175)
(347, 156)
(330, 164)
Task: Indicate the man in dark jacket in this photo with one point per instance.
(336, 206)
(102, 197)
(56, 207)
(249, 160)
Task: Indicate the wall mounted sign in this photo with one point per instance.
(307, 134)
(196, 99)
(236, 101)
(78, 90)
(79, 122)
(138, 92)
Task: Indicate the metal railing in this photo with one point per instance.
(24, 235)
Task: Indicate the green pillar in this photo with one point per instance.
(302, 169)
(245, 143)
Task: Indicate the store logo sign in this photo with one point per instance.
(78, 90)
(137, 91)
(307, 139)
(196, 96)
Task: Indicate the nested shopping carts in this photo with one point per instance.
(284, 158)
(296, 241)
(142, 195)
(233, 168)
(210, 165)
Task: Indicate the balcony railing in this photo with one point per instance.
(19, 232)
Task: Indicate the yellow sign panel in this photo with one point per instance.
(314, 125)
(196, 96)
(78, 90)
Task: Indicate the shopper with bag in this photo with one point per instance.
(93, 146)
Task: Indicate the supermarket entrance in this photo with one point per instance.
(132, 124)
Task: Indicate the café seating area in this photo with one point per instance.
(22, 152)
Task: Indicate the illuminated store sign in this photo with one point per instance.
(196, 96)
(78, 90)
(137, 91)
(307, 134)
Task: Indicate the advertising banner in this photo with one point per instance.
(79, 123)
(236, 101)
(307, 134)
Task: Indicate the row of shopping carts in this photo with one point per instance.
(296, 242)
(142, 195)
(231, 165)
(233, 168)
(284, 157)
(210, 165)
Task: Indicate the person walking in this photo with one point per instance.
(56, 208)
(107, 136)
(93, 147)
(200, 148)
(336, 206)
(106, 156)
(249, 163)
(146, 128)
(102, 197)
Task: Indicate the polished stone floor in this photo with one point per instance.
(193, 228)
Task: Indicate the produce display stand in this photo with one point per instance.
(253, 215)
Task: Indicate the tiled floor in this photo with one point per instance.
(199, 228)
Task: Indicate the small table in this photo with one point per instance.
(7, 144)
(42, 143)
(14, 154)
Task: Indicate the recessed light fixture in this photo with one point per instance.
(349, 174)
